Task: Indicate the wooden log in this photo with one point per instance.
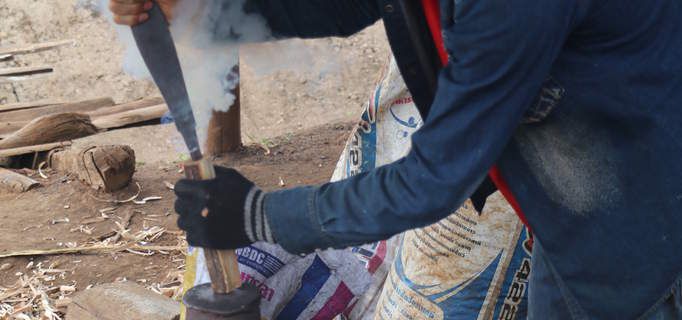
(107, 108)
(224, 128)
(7, 128)
(80, 107)
(107, 117)
(30, 105)
(50, 128)
(11, 181)
(23, 73)
(123, 300)
(123, 119)
(108, 168)
(34, 47)
(134, 105)
(33, 149)
(224, 132)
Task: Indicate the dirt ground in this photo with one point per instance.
(299, 102)
(65, 213)
(286, 86)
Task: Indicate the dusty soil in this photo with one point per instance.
(291, 91)
(30, 221)
(286, 86)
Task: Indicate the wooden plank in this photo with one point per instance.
(123, 119)
(34, 47)
(30, 105)
(13, 182)
(123, 110)
(139, 104)
(5, 153)
(80, 107)
(50, 128)
(23, 73)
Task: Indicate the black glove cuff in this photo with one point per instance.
(255, 222)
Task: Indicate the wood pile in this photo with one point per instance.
(29, 131)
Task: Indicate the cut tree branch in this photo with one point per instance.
(50, 128)
(29, 114)
(123, 119)
(93, 249)
(23, 73)
(32, 149)
(35, 47)
(30, 105)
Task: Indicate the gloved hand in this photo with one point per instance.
(222, 213)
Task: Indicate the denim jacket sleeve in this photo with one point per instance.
(501, 51)
(315, 18)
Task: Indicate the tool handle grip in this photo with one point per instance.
(222, 264)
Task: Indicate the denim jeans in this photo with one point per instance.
(548, 298)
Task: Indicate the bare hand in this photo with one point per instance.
(132, 12)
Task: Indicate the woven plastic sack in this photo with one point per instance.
(369, 281)
(467, 266)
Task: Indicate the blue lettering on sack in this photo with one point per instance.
(362, 147)
(512, 302)
(259, 260)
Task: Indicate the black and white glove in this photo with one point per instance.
(222, 213)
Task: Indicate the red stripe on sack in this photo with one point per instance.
(378, 258)
(350, 308)
(432, 13)
(336, 303)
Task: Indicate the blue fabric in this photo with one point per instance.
(311, 18)
(549, 299)
(579, 103)
(312, 281)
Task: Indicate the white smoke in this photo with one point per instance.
(132, 63)
(207, 62)
(207, 34)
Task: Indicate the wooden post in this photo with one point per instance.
(224, 128)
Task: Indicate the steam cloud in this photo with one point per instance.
(207, 34)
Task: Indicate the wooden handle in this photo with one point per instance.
(222, 264)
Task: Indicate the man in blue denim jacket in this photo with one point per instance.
(578, 102)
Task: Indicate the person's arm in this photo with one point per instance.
(501, 52)
(315, 18)
(284, 18)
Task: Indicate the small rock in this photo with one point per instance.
(5, 266)
(123, 301)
